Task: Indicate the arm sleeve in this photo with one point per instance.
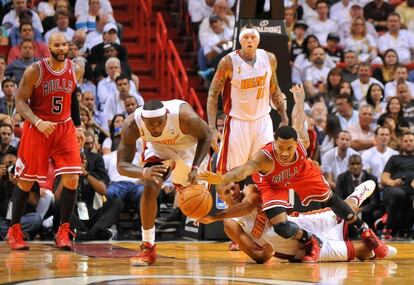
(75, 110)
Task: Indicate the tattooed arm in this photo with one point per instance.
(276, 96)
(299, 116)
(224, 72)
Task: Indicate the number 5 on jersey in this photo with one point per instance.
(57, 104)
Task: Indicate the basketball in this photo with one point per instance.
(195, 201)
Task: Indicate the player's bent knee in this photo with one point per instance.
(286, 229)
(70, 181)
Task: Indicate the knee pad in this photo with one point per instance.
(286, 229)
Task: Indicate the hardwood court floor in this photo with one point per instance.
(189, 263)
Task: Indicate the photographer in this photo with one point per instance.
(31, 220)
(6, 133)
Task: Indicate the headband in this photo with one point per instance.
(249, 31)
(154, 113)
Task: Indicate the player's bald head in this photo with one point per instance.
(57, 37)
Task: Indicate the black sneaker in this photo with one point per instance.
(173, 218)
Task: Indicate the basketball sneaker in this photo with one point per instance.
(362, 192)
(370, 238)
(313, 249)
(62, 238)
(146, 256)
(15, 238)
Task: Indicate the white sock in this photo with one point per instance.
(148, 235)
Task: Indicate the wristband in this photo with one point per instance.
(37, 122)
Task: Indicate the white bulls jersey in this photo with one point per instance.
(322, 223)
(172, 137)
(246, 95)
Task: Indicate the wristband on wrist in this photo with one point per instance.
(37, 122)
(195, 167)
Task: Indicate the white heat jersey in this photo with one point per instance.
(246, 95)
(172, 137)
(322, 223)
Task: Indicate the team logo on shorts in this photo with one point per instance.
(20, 167)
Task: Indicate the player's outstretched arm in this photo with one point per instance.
(235, 232)
(298, 114)
(277, 98)
(223, 72)
(191, 124)
(126, 152)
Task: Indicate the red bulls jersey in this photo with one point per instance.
(51, 99)
(283, 174)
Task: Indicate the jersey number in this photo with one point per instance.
(57, 104)
(260, 93)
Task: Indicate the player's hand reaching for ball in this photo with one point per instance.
(205, 220)
(210, 177)
(298, 93)
(192, 176)
(155, 173)
(46, 127)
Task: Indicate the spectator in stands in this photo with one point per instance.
(85, 82)
(400, 75)
(331, 132)
(348, 180)
(406, 12)
(107, 86)
(395, 110)
(350, 72)
(322, 26)
(62, 21)
(333, 83)
(31, 221)
(198, 10)
(397, 179)
(111, 143)
(110, 50)
(316, 74)
(318, 113)
(377, 156)
(2, 70)
(335, 161)
(222, 10)
(131, 104)
(360, 86)
(7, 106)
(290, 20)
(46, 8)
(95, 223)
(25, 16)
(355, 11)
(407, 101)
(49, 22)
(16, 68)
(89, 124)
(13, 123)
(309, 10)
(41, 50)
(82, 7)
(377, 12)
(96, 37)
(388, 122)
(363, 135)
(375, 98)
(333, 49)
(13, 15)
(109, 36)
(361, 42)
(346, 113)
(6, 133)
(385, 73)
(298, 40)
(402, 41)
(339, 12)
(89, 101)
(115, 103)
(87, 20)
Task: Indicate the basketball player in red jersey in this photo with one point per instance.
(282, 165)
(44, 100)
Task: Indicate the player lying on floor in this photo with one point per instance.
(248, 226)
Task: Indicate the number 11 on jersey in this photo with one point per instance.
(260, 93)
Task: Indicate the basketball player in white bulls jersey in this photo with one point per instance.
(246, 224)
(248, 83)
(171, 130)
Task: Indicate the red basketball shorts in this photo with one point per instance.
(312, 187)
(36, 149)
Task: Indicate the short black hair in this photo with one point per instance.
(355, 156)
(121, 77)
(286, 132)
(153, 105)
(25, 24)
(6, 80)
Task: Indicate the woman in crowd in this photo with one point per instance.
(375, 98)
(111, 143)
(385, 73)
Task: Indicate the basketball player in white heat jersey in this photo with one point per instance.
(171, 130)
(247, 225)
(247, 80)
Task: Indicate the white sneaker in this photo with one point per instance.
(362, 192)
(392, 251)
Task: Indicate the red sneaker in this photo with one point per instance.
(234, 246)
(371, 239)
(15, 238)
(313, 249)
(62, 238)
(146, 256)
